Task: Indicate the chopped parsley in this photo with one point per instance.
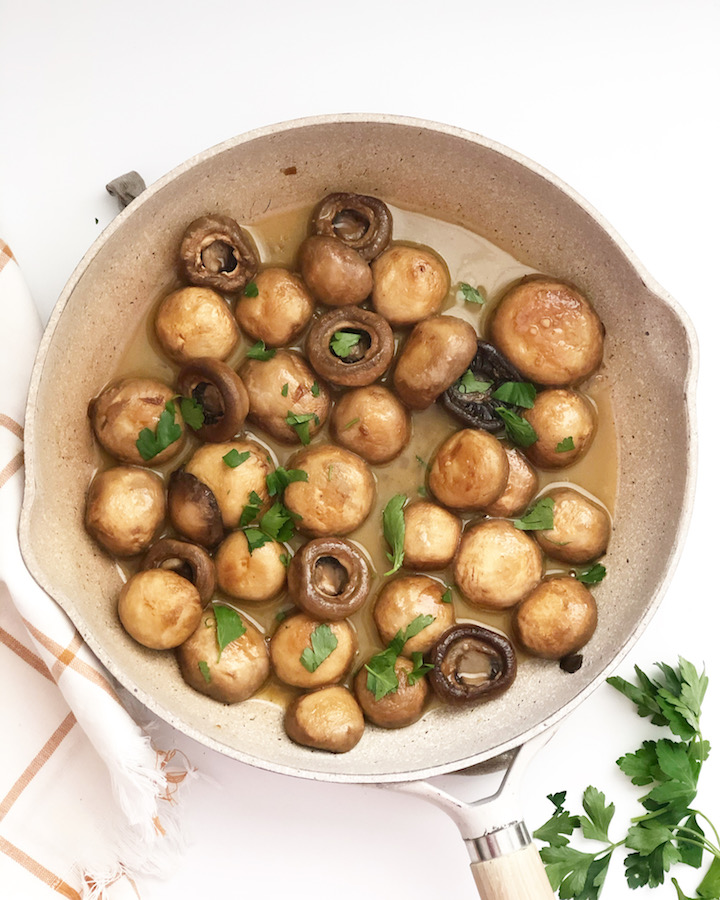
(233, 458)
(260, 351)
(151, 443)
(251, 289)
(301, 423)
(229, 626)
(192, 413)
(323, 642)
(518, 430)
(593, 575)
(382, 678)
(469, 384)
(470, 293)
(342, 343)
(539, 517)
(565, 445)
(205, 670)
(394, 530)
(517, 393)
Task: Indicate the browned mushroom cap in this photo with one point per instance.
(405, 598)
(279, 311)
(196, 321)
(294, 656)
(372, 422)
(350, 347)
(565, 424)
(329, 578)
(216, 252)
(219, 391)
(193, 509)
(328, 719)
(398, 708)
(472, 664)
(409, 283)
(431, 536)
(187, 560)
(521, 487)
(581, 527)
(435, 355)
(125, 507)
(253, 576)
(335, 274)
(557, 618)
(361, 222)
(160, 609)
(470, 470)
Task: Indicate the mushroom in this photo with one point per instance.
(328, 719)
(253, 576)
(336, 274)
(557, 618)
(159, 608)
(350, 347)
(565, 424)
(195, 321)
(280, 309)
(360, 222)
(216, 252)
(286, 398)
(549, 331)
(338, 494)
(435, 355)
(404, 599)
(409, 284)
(138, 421)
(431, 536)
(193, 509)
(400, 707)
(220, 393)
(472, 664)
(372, 422)
(328, 578)
(470, 470)
(124, 509)
(581, 528)
(521, 487)
(185, 559)
(308, 653)
(497, 564)
(231, 675)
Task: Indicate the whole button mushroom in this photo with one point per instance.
(549, 331)
(469, 471)
(252, 576)
(307, 653)
(497, 564)
(565, 424)
(409, 284)
(435, 355)
(327, 719)
(335, 274)
(338, 494)
(472, 664)
(159, 608)
(361, 222)
(350, 347)
(193, 510)
(581, 528)
(521, 487)
(404, 599)
(187, 560)
(232, 675)
(328, 578)
(372, 422)
(129, 411)
(431, 536)
(398, 708)
(557, 618)
(124, 509)
(220, 393)
(216, 252)
(280, 309)
(195, 321)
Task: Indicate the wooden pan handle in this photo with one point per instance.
(515, 876)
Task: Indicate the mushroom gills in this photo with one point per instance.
(472, 663)
(330, 576)
(219, 257)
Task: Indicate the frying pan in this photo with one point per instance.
(452, 175)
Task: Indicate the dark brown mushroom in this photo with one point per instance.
(193, 509)
(219, 391)
(350, 347)
(472, 664)
(329, 578)
(185, 559)
(216, 252)
(361, 222)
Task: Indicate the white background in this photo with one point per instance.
(620, 99)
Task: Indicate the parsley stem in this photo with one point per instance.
(703, 816)
(696, 840)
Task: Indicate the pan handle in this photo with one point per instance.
(515, 875)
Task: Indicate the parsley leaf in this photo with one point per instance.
(342, 343)
(205, 670)
(167, 431)
(278, 480)
(278, 523)
(229, 626)
(284, 390)
(323, 643)
(593, 575)
(471, 294)
(315, 389)
(260, 351)
(419, 669)
(539, 517)
(394, 530)
(252, 510)
(565, 445)
(233, 458)
(469, 384)
(351, 423)
(301, 423)
(192, 412)
(518, 430)
(517, 393)
(382, 678)
(256, 538)
(251, 289)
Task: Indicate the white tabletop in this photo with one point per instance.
(619, 98)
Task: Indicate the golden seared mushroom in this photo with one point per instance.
(328, 719)
(350, 347)
(253, 576)
(409, 284)
(229, 674)
(372, 422)
(472, 664)
(159, 608)
(361, 222)
(565, 424)
(338, 494)
(125, 507)
(398, 708)
(185, 559)
(232, 471)
(431, 536)
(470, 470)
(193, 510)
(216, 252)
(335, 274)
(557, 618)
(280, 309)
(404, 599)
(435, 355)
(287, 399)
(549, 331)
(193, 322)
(328, 578)
(497, 564)
(308, 653)
(221, 395)
(521, 487)
(581, 528)
(138, 421)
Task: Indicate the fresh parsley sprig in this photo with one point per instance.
(394, 530)
(382, 678)
(151, 443)
(669, 829)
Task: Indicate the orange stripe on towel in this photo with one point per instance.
(34, 867)
(11, 468)
(22, 651)
(5, 255)
(12, 426)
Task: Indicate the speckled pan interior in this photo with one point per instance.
(452, 175)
